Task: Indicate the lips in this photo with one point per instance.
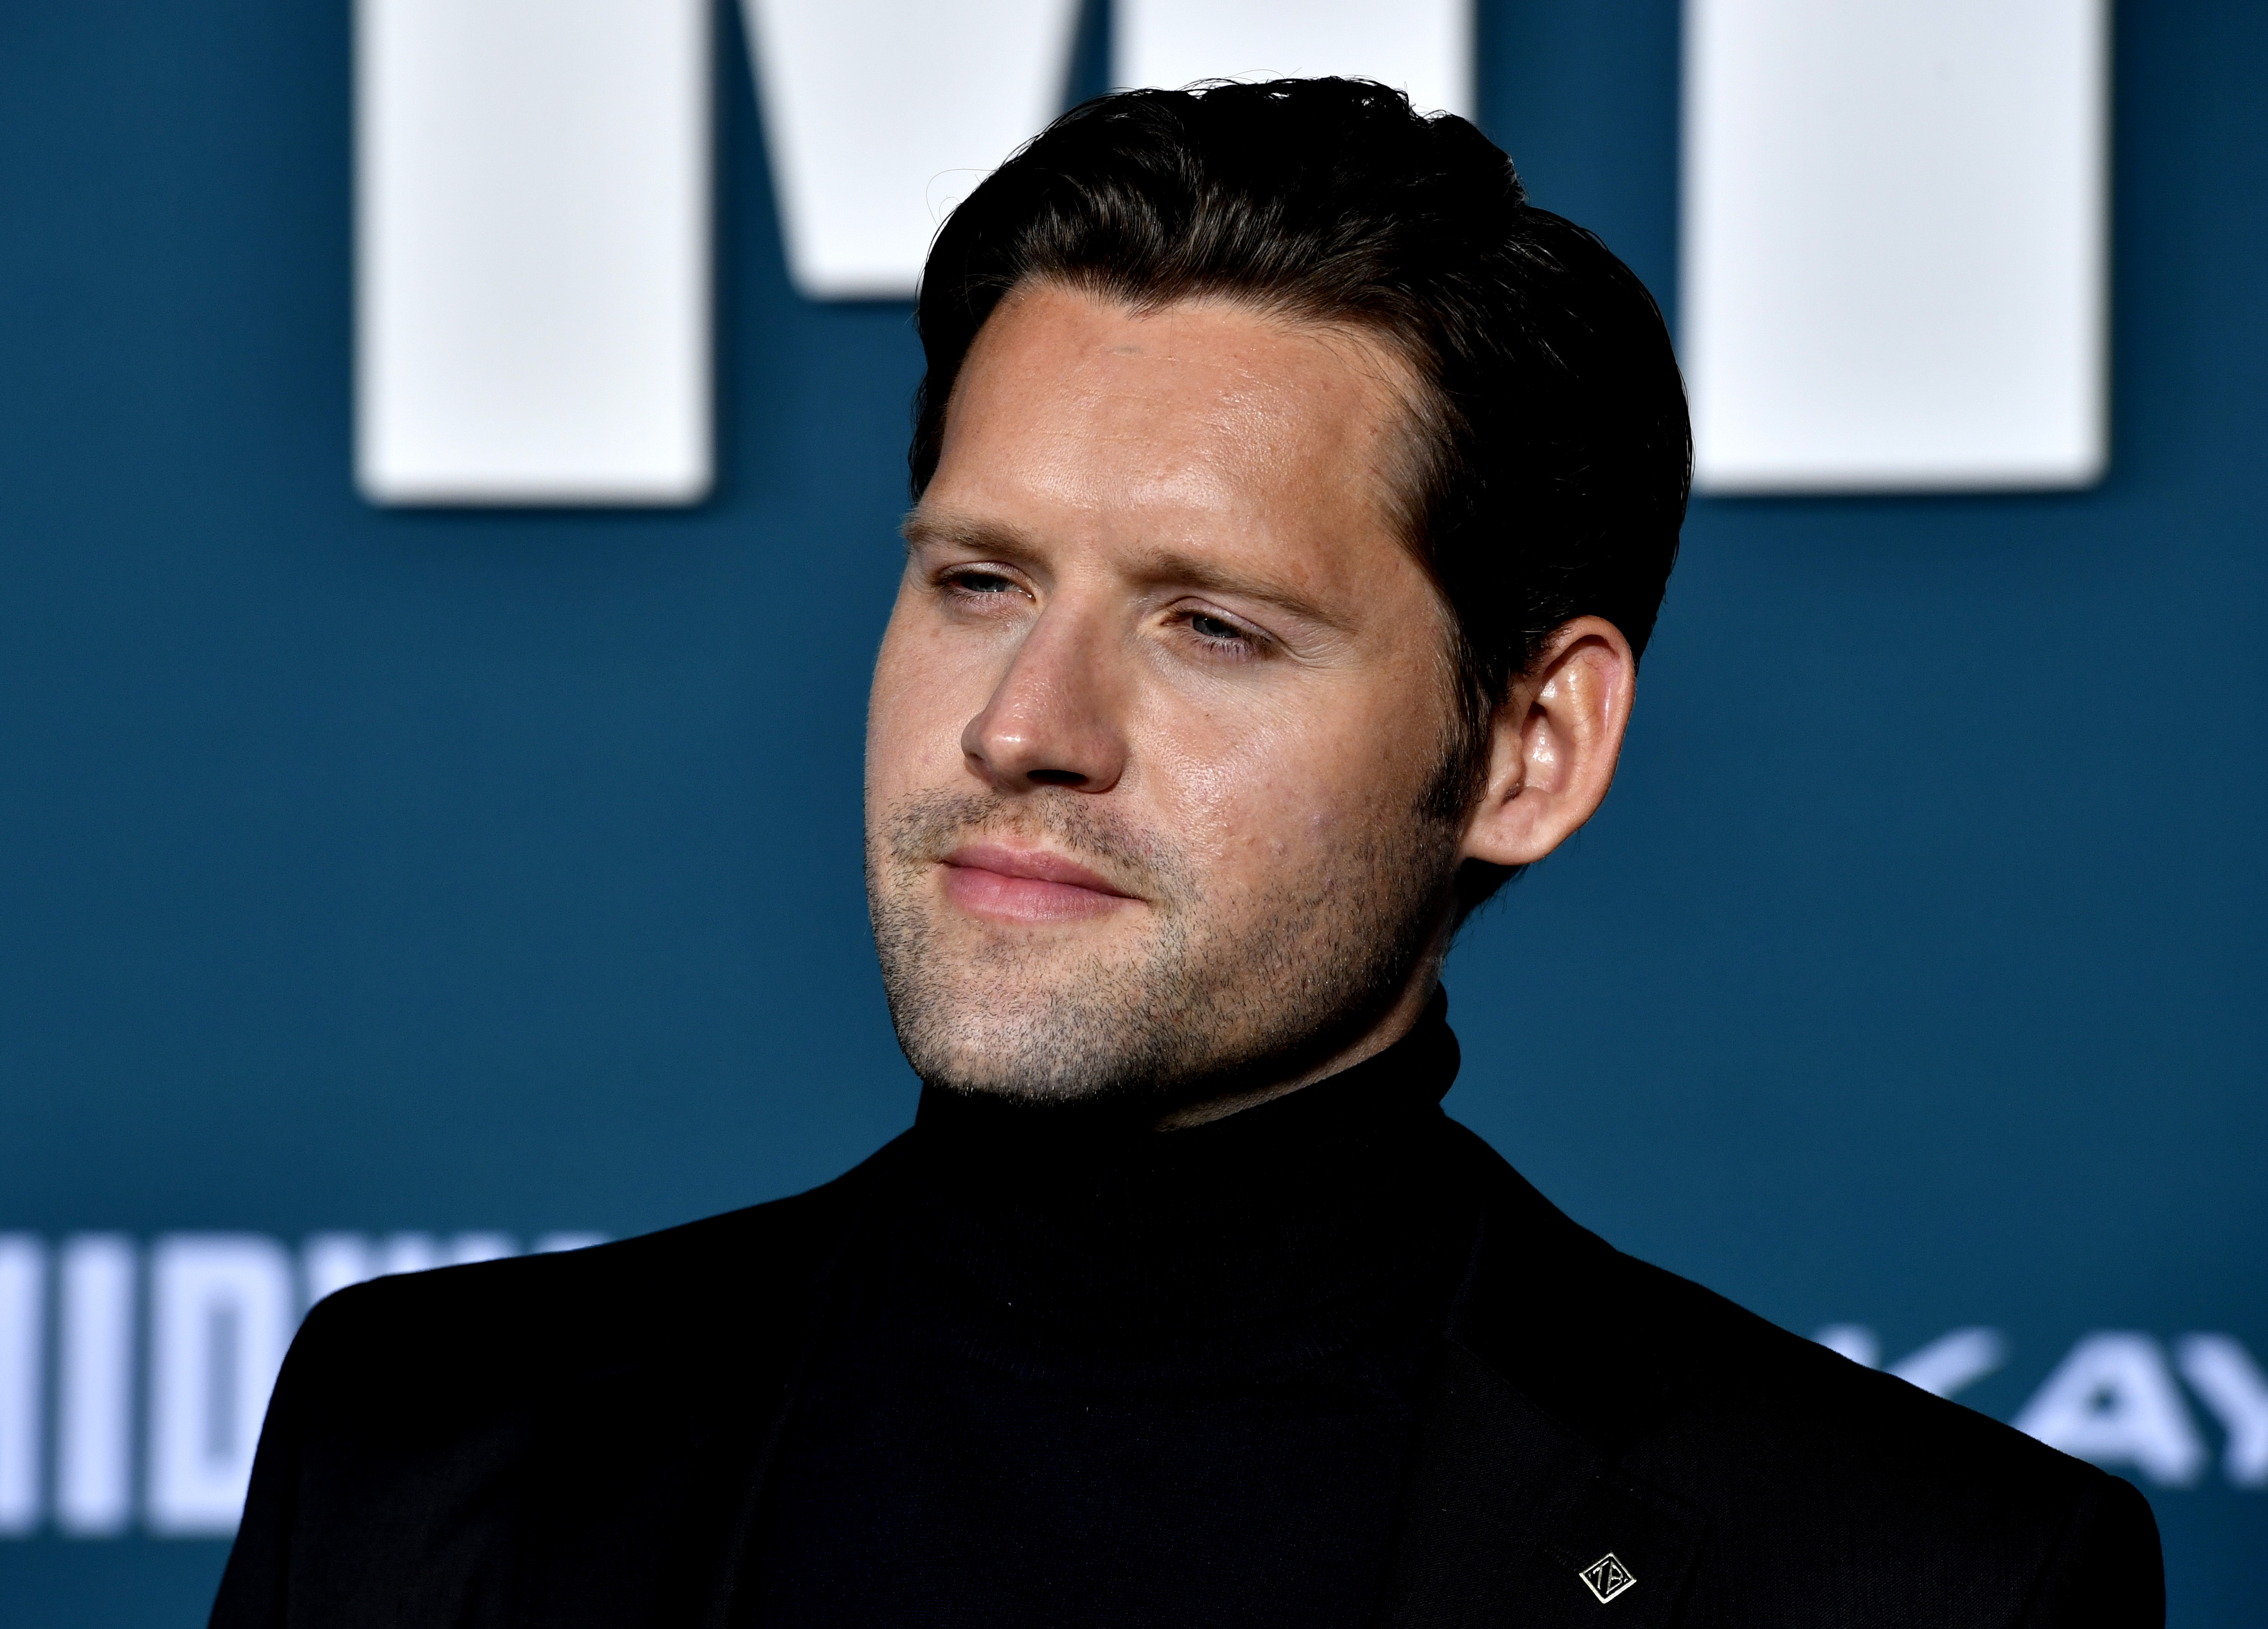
(1027, 885)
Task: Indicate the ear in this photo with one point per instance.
(1553, 743)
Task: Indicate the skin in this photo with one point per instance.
(1157, 708)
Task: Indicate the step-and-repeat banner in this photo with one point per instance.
(449, 456)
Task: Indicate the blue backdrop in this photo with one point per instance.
(443, 871)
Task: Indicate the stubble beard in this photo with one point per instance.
(1199, 1005)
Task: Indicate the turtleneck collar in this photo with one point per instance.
(1302, 1211)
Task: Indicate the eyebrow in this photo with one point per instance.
(1152, 566)
(1166, 565)
(958, 532)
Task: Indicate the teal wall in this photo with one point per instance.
(443, 871)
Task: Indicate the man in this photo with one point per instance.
(1294, 502)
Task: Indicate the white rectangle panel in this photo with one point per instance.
(881, 115)
(533, 250)
(23, 1353)
(94, 1385)
(221, 1310)
(1422, 46)
(1894, 260)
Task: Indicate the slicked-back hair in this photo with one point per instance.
(1550, 451)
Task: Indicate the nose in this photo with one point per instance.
(1055, 717)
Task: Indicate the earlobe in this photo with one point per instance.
(1553, 744)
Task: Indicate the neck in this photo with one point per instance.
(1391, 1026)
(1396, 1021)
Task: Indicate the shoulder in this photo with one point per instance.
(1807, 1474)
(430, 1432)
(1790, 1451)
(527, 1320)
(1818, 1478)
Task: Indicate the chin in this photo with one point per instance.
(1062, 1039)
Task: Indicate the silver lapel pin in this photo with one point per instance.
(1606, 1577)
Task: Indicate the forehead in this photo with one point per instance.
(1199, 421)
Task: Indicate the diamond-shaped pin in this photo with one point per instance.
(1606, 1577)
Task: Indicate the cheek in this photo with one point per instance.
(917, 709)
(1254, 799)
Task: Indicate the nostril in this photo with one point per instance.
(1057, 777)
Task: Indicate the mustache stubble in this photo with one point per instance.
(925, 827)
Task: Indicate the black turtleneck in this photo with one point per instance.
(1081, 1372)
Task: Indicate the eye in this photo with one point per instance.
(1219, 634)
(975, 582)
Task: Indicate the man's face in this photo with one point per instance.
(1157, 710)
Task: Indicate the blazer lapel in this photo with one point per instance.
(1514, 1512)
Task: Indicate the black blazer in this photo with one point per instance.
(579, 1442)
